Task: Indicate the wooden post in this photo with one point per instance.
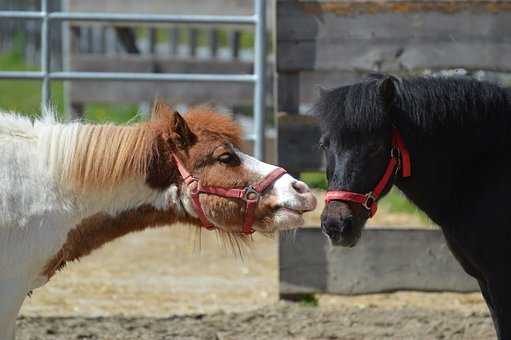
(288, 92)
(234, 43)
(174, 35)
(102, 40)
(213, 42)
(90, 39)
(153, 38)
(193, 41)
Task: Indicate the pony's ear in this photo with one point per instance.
(323, 91)
(161, 109)
(387, 90)
(181, 134)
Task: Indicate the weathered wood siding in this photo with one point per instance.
(135, 92)
(330, 43)
(333, 43)
(390, 36)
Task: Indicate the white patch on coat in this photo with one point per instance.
(37, 210)
(284, 192)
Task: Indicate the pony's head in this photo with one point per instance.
(207, 144)
(357, 141)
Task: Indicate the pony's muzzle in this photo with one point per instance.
(338, 223)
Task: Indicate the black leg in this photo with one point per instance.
(487, 297)
(499, 288)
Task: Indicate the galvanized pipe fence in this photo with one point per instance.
(258, 78)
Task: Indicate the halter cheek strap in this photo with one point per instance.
(399, 161)
(250, 195)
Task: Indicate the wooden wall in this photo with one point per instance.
(333, 43)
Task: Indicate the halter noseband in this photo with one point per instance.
(249, 194)
(399, 160)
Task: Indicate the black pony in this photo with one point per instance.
(458, 134)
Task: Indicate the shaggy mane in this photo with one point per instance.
(105, 155)
(203, 120)
(424, 102)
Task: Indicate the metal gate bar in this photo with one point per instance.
(258, 77)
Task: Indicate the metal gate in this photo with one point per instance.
(258, 19)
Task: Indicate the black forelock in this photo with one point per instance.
(353, 108)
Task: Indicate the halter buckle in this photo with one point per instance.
(369, 200)
(250, 191)
(193, 185)
(395, 152)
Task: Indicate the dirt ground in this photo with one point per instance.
(279, 321)
(173, 283)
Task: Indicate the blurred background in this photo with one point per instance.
(183, 270)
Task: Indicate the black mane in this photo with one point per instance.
(425, 104)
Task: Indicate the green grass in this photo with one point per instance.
(118, 113)
(24, 96)
(309, 300)
(315, 180)
(247, 38)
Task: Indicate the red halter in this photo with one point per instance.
(399, 160)
(250, 195)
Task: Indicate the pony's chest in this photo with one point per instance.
(25, 251)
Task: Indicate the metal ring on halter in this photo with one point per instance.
(369, 201)
(248, 191)
(395, 152)
(195, 189)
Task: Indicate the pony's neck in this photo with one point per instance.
(104, 168)
(448, 170)
(103, 171)
(95, 231)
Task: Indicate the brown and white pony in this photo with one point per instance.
(67, 189)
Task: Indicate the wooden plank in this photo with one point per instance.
(298, 149)
(176, 7)
(288, 93)
(143, 63)
(210, 7)
(384, 260)
(312, 81)
(134, 92)
(223, 94)
(391, 41)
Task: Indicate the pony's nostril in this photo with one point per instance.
(300, 187)
(347, 225)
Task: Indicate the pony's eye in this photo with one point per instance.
(323, 144)
(226, 158)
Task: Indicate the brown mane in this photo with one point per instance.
(106, 155)
(203, 120)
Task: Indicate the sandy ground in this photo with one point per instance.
(174, 283)
(280, 321)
